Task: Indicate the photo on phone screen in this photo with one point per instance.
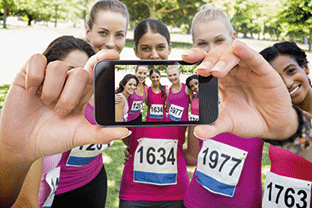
(153, 93)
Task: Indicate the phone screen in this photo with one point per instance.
(132, 93)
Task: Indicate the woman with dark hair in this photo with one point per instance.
(146, 182)
(193, 84)
(156, 98)
(127, 87)
(290, 167)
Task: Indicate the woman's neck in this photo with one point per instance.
(125, 94)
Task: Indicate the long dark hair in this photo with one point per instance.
(161, 87)
(155, 26)
(285, 48)
(59, 48)
(124, 81)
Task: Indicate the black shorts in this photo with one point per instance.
(91, 195)
(151, 204)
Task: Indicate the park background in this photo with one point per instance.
(28, 26)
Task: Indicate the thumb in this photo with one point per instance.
(223, 124)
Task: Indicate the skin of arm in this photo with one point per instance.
(119, 111)
(193, 148)
(167, 103)
(189, 93)
(28, 196)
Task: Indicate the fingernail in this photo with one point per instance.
(198, 136)
(46, 102)
(218, 66)
(186, 53)
(129, 133)
(61, 112)
(204, 65)
(32, 90)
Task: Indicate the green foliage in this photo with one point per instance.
(3, 91)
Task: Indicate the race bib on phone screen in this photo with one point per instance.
(83, 155)
(219, 167)
(155, 162)
(175, 112)
(136, 106)
(156, 111)
(281, 191)
(194, 117)
(52, 178)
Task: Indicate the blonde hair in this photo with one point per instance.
(209, 13)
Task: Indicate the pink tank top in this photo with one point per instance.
(156, 102)
(285, 163)
(79, 171)
(248, 192)
(178, 105)
(137, 191)
(195, 106)
(135, 104)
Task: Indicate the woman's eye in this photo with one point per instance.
(291, 71)
(103, 33)
(202, 44)
(219, 40)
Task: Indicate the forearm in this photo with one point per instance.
(13, 171)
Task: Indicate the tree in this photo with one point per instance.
(28, 8)
(298, 17)
(247, 17)
(8, 7)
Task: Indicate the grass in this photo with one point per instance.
(114, 163)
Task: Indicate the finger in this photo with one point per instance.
(75, 88)
(193, 55)
(54, 80)
(223, 124)
(94, 134)
(216, 60)
(34, 70)
(104, 54)
(251, 58)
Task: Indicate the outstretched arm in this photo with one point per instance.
(43, 115)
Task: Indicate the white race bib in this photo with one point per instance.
(155, 162)
(136, 106)
(219, 167)
(281, 191)
(52, 178)
(83, 155)
(156, 111)
(194, 117)
(175, 112)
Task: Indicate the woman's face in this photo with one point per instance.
(131, 86)
(294, 77)
(153, 46)
(76, 59)
(173, 75)
(209, 35)
(155, 78)
(108, 31)
(194, 85)
(141, 73)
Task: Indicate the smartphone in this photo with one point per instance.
(115, 100)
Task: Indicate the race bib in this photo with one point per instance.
(155, 162)
(83, 155)
(175, 112)
(136, 106)
(156, 111)
(281, 191)
(194, 117)
(219, 167)
(52, 178)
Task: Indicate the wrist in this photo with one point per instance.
(301, 138)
